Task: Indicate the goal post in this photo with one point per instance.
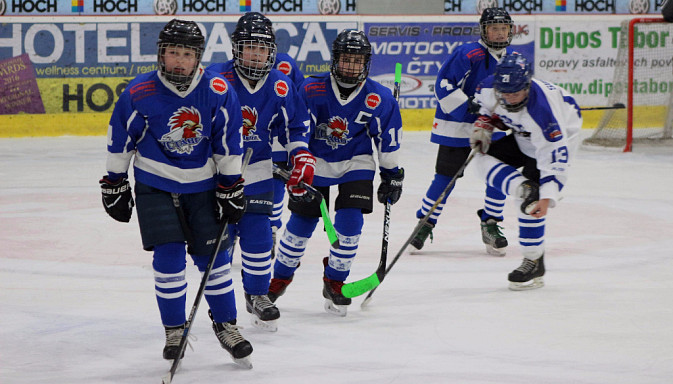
(643, 82)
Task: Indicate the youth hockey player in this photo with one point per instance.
(181, 125)
(456, 81)
(286, 64)
(269, 104)
(546, 122)
(348, 112)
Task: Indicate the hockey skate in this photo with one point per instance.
(230, 339)
(173, 338)
(277, 288)
(264, 313)
(529, 191)
(419, 240)
(494, 240)
(335, 302)
(528, 275)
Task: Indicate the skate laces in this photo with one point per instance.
(229, 334)
(425, 231)
(493, 229)
(174, 336)
(527, 265)
(261, 302)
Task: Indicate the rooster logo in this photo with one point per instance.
(185, 132)
(334, 132)
(249, 123)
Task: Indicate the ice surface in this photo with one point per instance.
(77, 298)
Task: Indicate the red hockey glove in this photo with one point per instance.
(303, 170)
(482, 132)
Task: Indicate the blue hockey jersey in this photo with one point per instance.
(547, 130)
(180, 139)
(342, 130)
(286, 64)
(272, 106)
(458, 78)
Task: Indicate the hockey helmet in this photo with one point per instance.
(512, 74)
(254, 32)
(185, 34)
(354, 68)
(492, 16)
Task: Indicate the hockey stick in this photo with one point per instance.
(614, 106)
(357, 288)
(423, 220)
(223, 235)
(329, 227)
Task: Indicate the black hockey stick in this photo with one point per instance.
(614, 106)
(423, 221)
(329, 227)
(223, 235)
(357, 288)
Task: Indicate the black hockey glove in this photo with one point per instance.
(230, 202)
(117, 198)
(390, 188)
(472, 106)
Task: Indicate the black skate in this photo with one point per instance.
(264, 313)
(426, 230)
(529, 191)
(528, 275)
(230, 339)
(335, 302)
(494, 240)
(277, 288)
(173, 338)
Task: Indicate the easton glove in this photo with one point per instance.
(303, 170)
(117, 198)
(390, 188)
(230, 202)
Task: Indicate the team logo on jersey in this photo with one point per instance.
(218, 85)
(284, 67)
(186, 131)
(334, 132)
(249, 124)
(281, 88)
(552, 132)
(372, 100)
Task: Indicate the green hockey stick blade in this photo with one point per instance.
(360, 287)
(398, 72)
(329, 227)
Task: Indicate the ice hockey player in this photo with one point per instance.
(348, 111)
(269, 104)
(181, 125)
(456, 81)
(546, 122)
(286, 64)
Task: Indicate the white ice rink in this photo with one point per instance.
(77, 301)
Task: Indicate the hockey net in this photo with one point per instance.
(643, 83)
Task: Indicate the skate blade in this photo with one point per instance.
(496, 251)
(339, 310)
(243, 362)
(536, 283)
(268, 326)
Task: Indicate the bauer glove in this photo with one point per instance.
(303, 170)
(117, 198)
(230, 202)
(390, 188)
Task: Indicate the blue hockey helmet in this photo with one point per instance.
(492, 16)
(512, 74)
(180, 33)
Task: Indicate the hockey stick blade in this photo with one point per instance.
(327, 222)
(614, 106)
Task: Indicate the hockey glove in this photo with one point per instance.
(117, 198)
(481, 134)
(230, 202)
(303, 170)
(472, 106)
(390, 188)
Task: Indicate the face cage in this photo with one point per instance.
(181, 82)
(497, 45)
(513, 107)
(249, 69)
(350, 80)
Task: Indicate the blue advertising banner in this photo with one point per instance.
(173, 7)
(422, 49)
